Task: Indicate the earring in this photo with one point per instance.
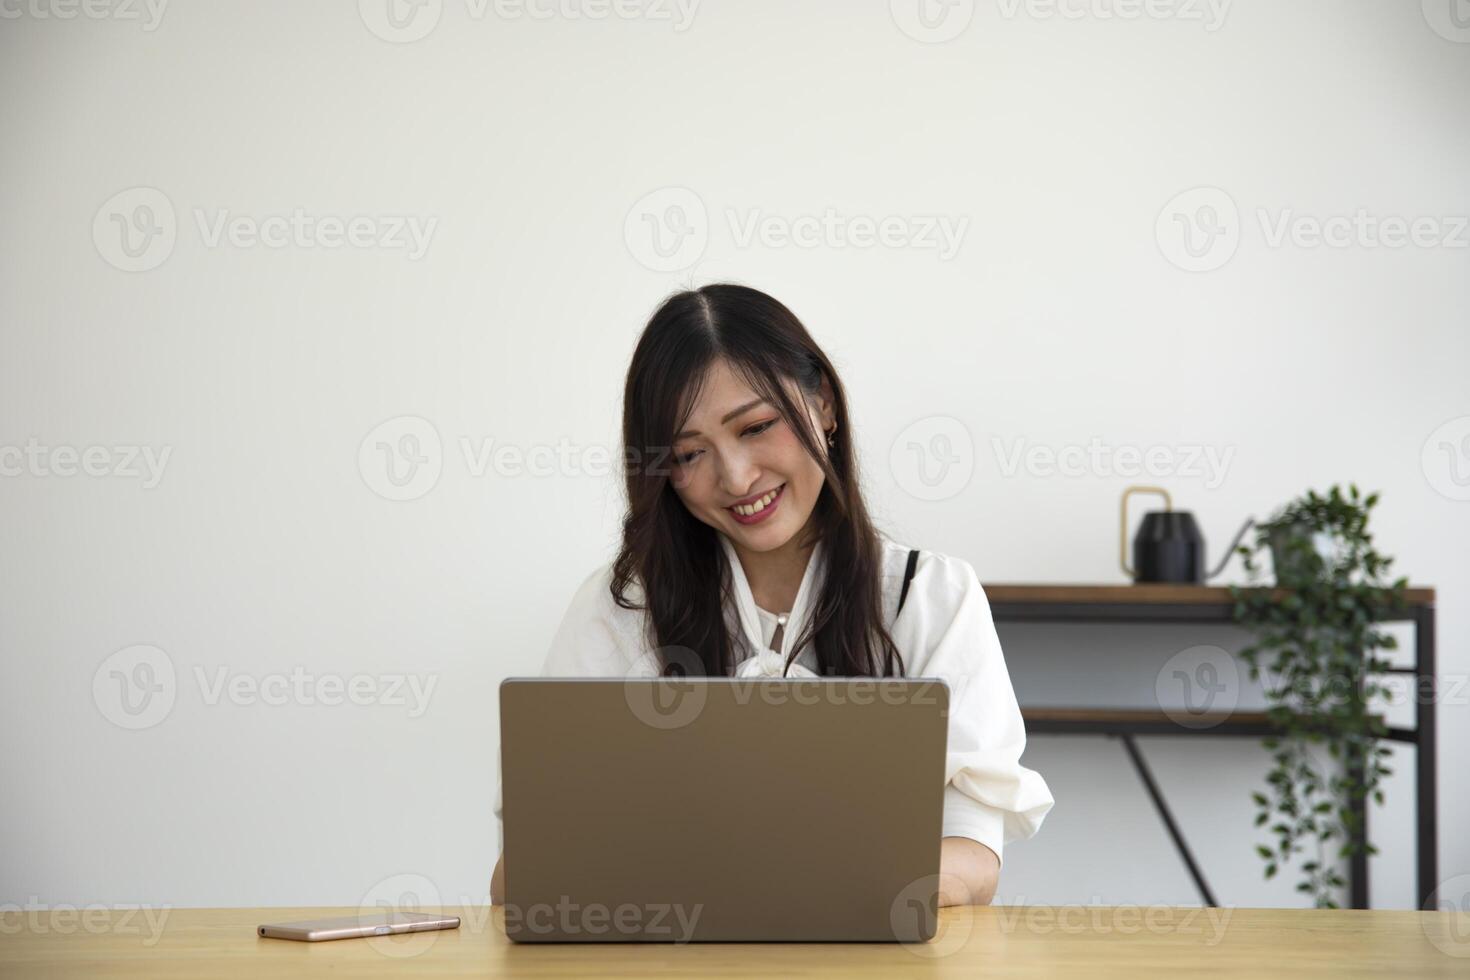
(832, 437)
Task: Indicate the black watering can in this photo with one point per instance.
(1168, 546)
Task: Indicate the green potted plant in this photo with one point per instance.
(1315, 646)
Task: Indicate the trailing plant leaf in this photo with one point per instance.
(1314, 646)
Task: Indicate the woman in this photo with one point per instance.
(747, 550)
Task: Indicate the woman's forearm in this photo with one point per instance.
(497, 882)
(968, 872)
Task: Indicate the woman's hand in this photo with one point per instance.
(968, 872)
(497, 882)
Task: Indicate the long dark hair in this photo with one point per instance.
(676, 558)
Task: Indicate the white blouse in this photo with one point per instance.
(945, 631)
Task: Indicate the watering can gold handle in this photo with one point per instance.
(1123, 523)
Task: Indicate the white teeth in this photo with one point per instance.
(758, 506)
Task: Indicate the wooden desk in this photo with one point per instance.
(1204, 604)
(1036, 941)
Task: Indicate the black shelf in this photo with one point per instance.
(1154, 603)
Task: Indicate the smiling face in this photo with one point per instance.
(735, 453)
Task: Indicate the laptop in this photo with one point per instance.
(687, 809)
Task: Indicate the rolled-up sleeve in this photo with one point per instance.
(988, 796)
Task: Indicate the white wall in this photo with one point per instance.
(265, 546)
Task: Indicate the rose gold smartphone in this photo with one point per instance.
(358, 926)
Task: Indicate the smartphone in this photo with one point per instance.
(357, 926)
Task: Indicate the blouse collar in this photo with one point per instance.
(745, 601)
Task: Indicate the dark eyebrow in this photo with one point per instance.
(728, 416)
